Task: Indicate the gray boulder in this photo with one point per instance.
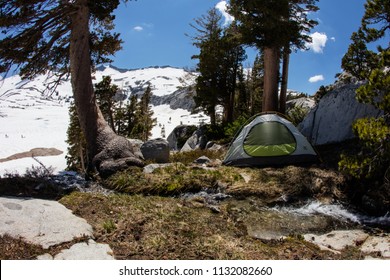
(42, 222)
(198, 140)
(213, 146)
(331, 120)
(179, 136)
(156, 150)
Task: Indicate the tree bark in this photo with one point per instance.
(102, 143)
(283, 87)
(271, 75)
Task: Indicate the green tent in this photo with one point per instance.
(269, 139)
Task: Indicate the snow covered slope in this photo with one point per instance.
(162, 80)
(32, 117)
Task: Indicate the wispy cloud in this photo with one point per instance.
(138, 28)
(318, 42)
(316, 78)
(222, 7)
(143, 27)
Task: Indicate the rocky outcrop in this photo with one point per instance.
(43, 222)
(179, 136)
(180, 99)
(156, 150)
(303, 102)
(338, 240)
(331, 120)
(198, 140)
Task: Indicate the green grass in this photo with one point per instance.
(155, 227)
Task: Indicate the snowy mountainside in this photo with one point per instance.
(32, 117)
(162, 80)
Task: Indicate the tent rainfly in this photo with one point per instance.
(269, 140)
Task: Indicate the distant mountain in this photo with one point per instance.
(172, 98)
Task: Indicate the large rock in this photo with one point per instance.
(41, 222)
(156, 150)
(180, 99)
(198, 140)
(337, 240)
(331, 120)
(83, 251)
(179, 136)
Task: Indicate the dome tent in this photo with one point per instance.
(267, 140)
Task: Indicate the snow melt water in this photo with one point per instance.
(337, 211)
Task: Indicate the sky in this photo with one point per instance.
(154, 34)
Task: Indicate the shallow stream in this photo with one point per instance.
(274, 222)
(314, 217)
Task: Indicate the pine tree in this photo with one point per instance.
(233, 54)
(373, 161)
(105, 92)
(67, 37)
(208, 40)
(256, 85)
(120, 118)
(220, 58)
(76, 157)
(143, 119)
(130, 116)
(271, 26)
(376, 20)
(242, 100)
(358, 61)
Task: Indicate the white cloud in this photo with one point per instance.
(316, 78)
(138, 28)
(222, 7)
(318, 42)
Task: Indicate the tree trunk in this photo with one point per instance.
(232, 96)
(103, 145)
(283, 87)
(271, 75)
(213, 119)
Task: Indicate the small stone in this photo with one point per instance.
(214, 209)
(202, 160)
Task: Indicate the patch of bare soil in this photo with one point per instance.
(36, 152)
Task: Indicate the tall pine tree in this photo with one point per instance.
(220, 58)
(208, 40)
(273, 25)
(373, 161)
(105, 92)
(76, 157)
(144, 120)
(67, 37)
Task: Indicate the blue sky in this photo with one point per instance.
(154, 31)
